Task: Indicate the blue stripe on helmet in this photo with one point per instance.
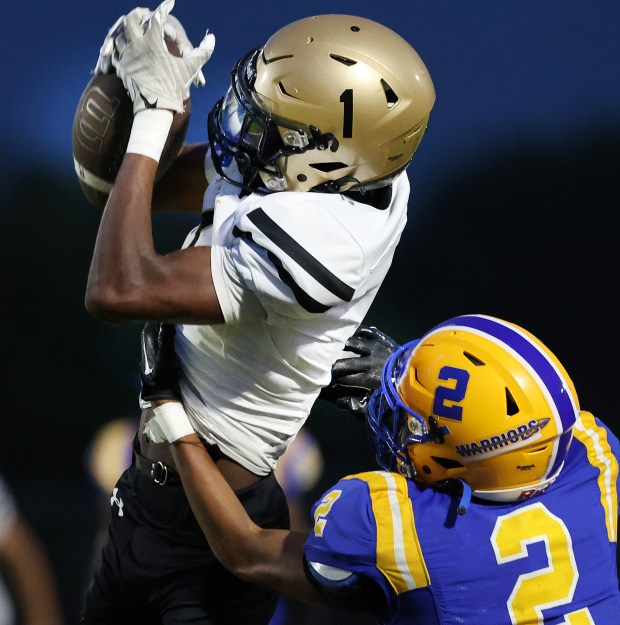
(530, 352)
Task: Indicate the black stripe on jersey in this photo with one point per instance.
(206, 220)
(304, 259)
(303, 299)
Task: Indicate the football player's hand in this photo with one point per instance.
(159, 367)
(104, 62)
(174, 31)
(153, 76)
(108, 49)
(356, 376)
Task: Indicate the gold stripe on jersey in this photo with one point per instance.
(601, 457)
(399, 555)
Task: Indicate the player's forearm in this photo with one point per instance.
(124, 252)
(280, 565)
(224, 521)
(270, 557)
(182, 187)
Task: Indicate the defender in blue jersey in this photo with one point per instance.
(497, 502)
(479, 404)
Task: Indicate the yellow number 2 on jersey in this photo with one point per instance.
(551, 586)
(322, 510)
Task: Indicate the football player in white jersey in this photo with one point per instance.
(303, 203)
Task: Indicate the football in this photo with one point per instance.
(101, 128)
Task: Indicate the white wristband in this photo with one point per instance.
(149, 133)
(169, 423)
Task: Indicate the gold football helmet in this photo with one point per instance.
(476, 399)
(329, 103)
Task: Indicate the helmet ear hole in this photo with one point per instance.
(390, 95)
(538, 450)
(328, 167)
(343, 60)
(447, 463)
(475, 361)
(283, 90)
(511, 405)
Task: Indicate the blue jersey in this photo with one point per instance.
(550, 559)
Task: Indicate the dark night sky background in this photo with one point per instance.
(514, 212)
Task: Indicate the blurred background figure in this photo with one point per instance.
(28, 594)
(107, 456)
(298, 472)
(109, 452)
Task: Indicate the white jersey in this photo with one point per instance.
(295, 274)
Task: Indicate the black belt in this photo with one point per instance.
(156, 470)
(159, 472)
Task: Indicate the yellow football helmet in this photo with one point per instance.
(329, 103)
(476, 399)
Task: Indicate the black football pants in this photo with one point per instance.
(156, 567)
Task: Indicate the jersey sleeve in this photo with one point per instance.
(602, 453)
(365, 525)
(292, 252)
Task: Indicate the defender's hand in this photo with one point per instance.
(356, 376)
(153, 76)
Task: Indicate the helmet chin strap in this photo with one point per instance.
(321, 141)
(334, 186)
(457, 488)
(465, 498)
(437, 433)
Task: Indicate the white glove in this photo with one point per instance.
(175, 31)
(107, 50)
(153, 76)
(169, 423)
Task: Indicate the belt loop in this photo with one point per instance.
(159, 473)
